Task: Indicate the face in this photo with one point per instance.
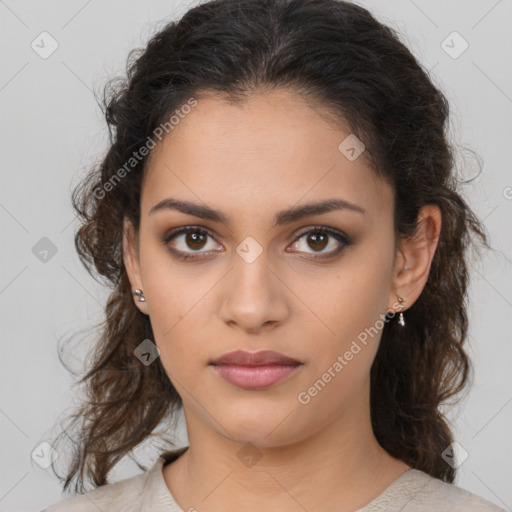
(253, 277)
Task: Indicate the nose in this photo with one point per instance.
(254, 297)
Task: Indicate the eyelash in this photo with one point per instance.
(339, 236)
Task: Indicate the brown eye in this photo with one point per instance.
(185, 242)
(195, 240)
(188, 243)
(318, 239)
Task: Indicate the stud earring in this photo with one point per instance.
(140, 295)
(401, 320)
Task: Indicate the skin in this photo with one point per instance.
(250, 162)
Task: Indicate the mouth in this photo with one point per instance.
(254, 371)
(245, 358)
(255, 377)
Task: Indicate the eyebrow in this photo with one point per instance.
(281, 218)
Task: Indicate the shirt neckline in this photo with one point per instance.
(166, 502)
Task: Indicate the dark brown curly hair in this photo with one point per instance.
(339, 57)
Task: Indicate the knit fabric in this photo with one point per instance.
(412, 491)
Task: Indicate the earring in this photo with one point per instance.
(140, 294)
(401, 316)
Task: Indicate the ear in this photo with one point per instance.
(414, 258)
(131, 262)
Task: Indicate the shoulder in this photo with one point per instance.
(113, 497)
(445, 496)
(147, 491)
(416, 490)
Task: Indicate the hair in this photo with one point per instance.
(340, 58)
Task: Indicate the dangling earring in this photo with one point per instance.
(401, 320)
(140, 294)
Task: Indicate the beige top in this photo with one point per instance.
(413, 490)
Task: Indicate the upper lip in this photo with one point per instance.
(264, 357)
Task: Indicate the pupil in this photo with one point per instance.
(316, 239)
(194, 238)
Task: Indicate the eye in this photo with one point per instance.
(188, 237)
(196, 239)
(320, 238)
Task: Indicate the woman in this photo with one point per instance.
(278, 218)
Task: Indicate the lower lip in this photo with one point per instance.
(255, 377)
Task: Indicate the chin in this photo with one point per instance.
(268, 427)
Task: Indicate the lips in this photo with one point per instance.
(262, 358)
(255, 371)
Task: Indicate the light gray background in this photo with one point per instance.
(52, 130)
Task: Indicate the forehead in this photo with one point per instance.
(272, 151)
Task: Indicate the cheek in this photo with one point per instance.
(180, 309)
(355, 295)
(341, 357)
(351, 308)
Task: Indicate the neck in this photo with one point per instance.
(342, 467)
